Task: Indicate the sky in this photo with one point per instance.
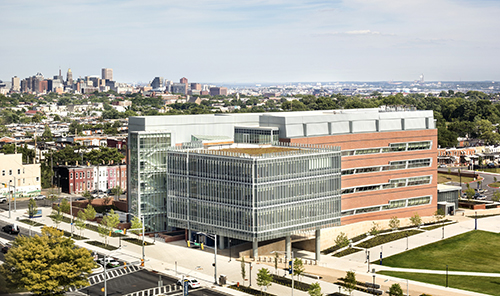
(253, 41)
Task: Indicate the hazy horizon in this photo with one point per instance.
(235, 42)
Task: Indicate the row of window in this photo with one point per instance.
(396, 183)
(11, 172)
(393, 147)
(393, 204)
(113, 173)
(393, 165)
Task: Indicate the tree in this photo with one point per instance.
(395, 290)
(32, 208)
(86, 194)
(470, 192)
(89, 212)
(341, 240)
(496, 196)
(80, 222)
(439, 215)
(314, 290)
(243, 269)
(298, 267)
(416, 220)
(47, 134)
(48, 264)
(375, 230)
(65, 206)
(57, 216)
(350, 281)
(394, 223)
(108, 222)
(136, 224)
(264, 278)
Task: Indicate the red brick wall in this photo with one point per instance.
(381, 197)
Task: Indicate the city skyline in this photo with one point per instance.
(224, 42)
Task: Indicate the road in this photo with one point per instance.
(129, 283)
(488, 179)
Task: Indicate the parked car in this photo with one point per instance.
(442, 166)
(112, 264)
(3, 199)
(11, 229)
(6, 248)
(491, 165)
(480, 197)
(39, 197)
(80, 198)
(192, 283)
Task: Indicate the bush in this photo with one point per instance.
(288, 282)
(382, 239)
(101, 245)
(249, 290)
(346, 252)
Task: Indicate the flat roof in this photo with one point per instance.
(260, 150)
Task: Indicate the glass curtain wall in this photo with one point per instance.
(148, 177)
(247, 197)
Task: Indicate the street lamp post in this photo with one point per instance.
(291, 260)
(214, 237)
(229, 250)
(446, 276)
(407, 241)
(105, 275)
(368, 259)
(143, 226)
(475, 221)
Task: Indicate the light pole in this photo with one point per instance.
(143, 226)
(446, 276)
(229, 250)
(475, 221)
(290, 271)
(214, 237)
(407, 241)
(368, 259)
(105, 275)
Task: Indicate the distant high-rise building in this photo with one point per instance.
(107, 74)
(195, 86)
(184, 80)
(179, 88)
(422, 78)
(16, 83)
(157, 83)
(69, 77)
(218, 91)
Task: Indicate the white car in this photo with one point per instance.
(192, 283)
(39, 197)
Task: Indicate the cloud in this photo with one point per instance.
(362, 32)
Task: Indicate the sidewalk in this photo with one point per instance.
(175, 259)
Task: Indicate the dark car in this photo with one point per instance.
(6, 248)
(10, 229)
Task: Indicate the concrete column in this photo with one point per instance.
(255, 249)
(288, 247)
(189, 234)
(221, 240)
(318, 244)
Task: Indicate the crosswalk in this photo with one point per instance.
(112, 273)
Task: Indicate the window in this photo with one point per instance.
(18, 171)
(38, 179)
(3, 172)
(88, 174)
(71, 175)
(10, 172)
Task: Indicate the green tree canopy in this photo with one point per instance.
(314, 290)
(48, 264)
(264, 278)
(395, 290)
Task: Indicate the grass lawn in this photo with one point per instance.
(496, 184)
(443, 178)
(491, 170)
(472, 251)
(486, 285)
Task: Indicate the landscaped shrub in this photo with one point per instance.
(346, 252)
(250, 291)
(288, 282)
(382, 239)
(101, 245)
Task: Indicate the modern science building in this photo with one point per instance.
(263, 176)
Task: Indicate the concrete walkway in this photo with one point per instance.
(176, 259)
